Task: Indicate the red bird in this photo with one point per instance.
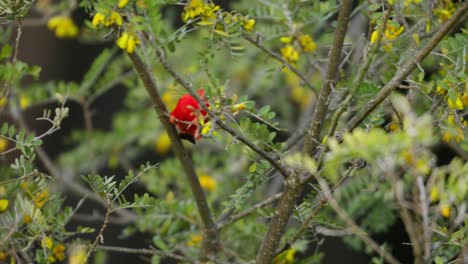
(185, 116)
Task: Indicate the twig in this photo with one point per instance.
(88, 120)
(248, 211)
(210, 241)
(143, 251)
(100, 237)
(6, 87)
(404, 71)
(293, 184)
(278, 57)
(353, 227)
(408, 221)
(425, 215)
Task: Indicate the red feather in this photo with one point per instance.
(185, 116)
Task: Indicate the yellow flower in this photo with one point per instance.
(464, 99)
(47, 242)
(170, 197)
(301, 96)
(458, 104)
(27, 219)
(289, 54)
(446, 137)
(440, 90)
(194, 240)
(114, 18)
(41, 198)
(374, 36)
(444, 10)
(24, 186)
(198, 8)
(3, 205)
(3, 144)
(307, 43)
(102, 19)
(128, 41)
(3, 101)
(98, 19)
(286, 40)
(24, 102)
(78, 255)
(58, 252)
(287, 257)
(163, 144)
(169, 99)
(63, 26)
(239, 107)
(445, 210)
(392, 32)
(122, 3)
(408, 2)
(208, 183)
(434, 194)
(3, 255)
(249, 24)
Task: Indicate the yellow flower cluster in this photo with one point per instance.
(391, 32)
(208, 183)
(128, 41)
(198, 8)
(3, 144)
(57, 250)
(107, 20)
(77, 255)
(163, 144)
(195, 240)
(4, 205)
(287, 257)
(248, 24)
(3, 101)
(307, 43)
(298, 93)
(63, 26)
(41, 198)
(456, 100)
(410, 2)
(3, 255)
(290, 53)
(445, 210)
(444, 10)
(122, 3)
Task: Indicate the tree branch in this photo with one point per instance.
(311, 141)
(351, 224)
(404, 71)
(210, 239)
(293, 184)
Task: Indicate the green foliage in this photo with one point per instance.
(232, 53)
(112, 192)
